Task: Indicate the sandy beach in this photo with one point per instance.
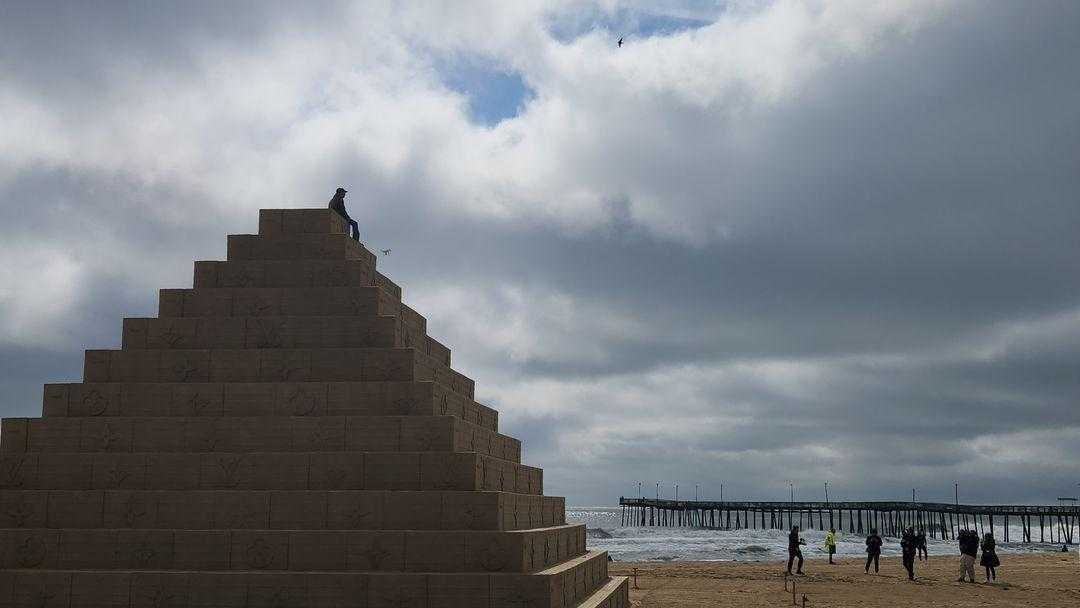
(1042, 579)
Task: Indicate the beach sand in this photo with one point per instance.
(1040, 579)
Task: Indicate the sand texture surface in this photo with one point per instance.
(1043, 579)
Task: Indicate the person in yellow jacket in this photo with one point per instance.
(830, 543)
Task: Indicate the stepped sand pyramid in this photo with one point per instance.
(285, 434)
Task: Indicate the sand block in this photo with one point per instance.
(285, 273)
(297, 247)
(292, 222)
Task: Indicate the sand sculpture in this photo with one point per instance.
(284, 434)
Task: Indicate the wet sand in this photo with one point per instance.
(1041, 579)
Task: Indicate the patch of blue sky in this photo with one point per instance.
(631, 22)
(494, 93)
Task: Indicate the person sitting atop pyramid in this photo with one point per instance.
(338, 204)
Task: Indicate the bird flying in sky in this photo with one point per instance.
(620, 42)
(385, 251)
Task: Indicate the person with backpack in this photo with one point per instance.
(969, 548)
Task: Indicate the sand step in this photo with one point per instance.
(272, 509)
(272, 365)
(257, 589)
(209, 399)
(293, 550)
(331, 302)
(293, 222)
(268, 471)
(297, 247)
(290, 273)
(181, 333)
(277, 301)
(254, 434)
(614, 594)
(261, 332)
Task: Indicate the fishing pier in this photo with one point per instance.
(1054, 524)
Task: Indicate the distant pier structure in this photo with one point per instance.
(1053, 523)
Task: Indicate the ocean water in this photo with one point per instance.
(635, 543)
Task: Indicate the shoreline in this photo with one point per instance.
(1034, 579)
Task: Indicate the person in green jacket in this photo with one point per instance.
(830, 543)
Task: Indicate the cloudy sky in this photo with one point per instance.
(761, 242)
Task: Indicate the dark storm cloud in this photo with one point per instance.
(871, 280)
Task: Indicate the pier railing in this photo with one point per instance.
(938, 520)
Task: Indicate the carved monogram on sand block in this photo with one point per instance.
(42, 597)
(474, 517)
(95, 403)
(31, 552)
(335, 477)
(302, 402)
(282, 598)
(171, 337)
(260, 555)
(394, 598)
(269, 334)
(360, 516)
(406, 406)
(288, 368)
(117, 475)
(356, 305)
(12, 472)
(257, 307)
(230, 470)
(20, 512)
(493, 556)
(141, 555)
(518, 600)
(134, 509)
(246, 516)
(184, 371)
(240, 278)
(377, 554)
(197, 404)
(110, 440)
(159, 598)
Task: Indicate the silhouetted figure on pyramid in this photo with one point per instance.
(338, 204)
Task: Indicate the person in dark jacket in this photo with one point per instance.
(873, 550)
(969, 548)
(920, 544)
(794, 550)
(989, 558)
(908, 544)
(338, 204)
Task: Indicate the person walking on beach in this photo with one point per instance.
(794, 550)
(830, 543)
(337, 203)
(969, 548)
(920, 544)
(989, 558)
(873, 551)
(908, 542)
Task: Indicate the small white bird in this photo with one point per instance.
(385, 251)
